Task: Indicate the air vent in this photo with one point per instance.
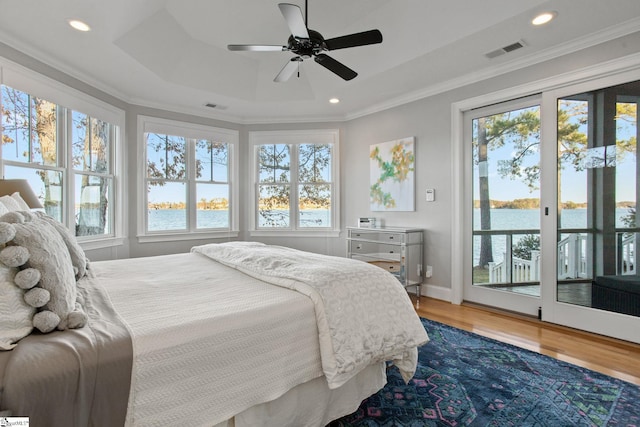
(512, 47)
(506, 49)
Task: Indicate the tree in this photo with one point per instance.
(91, 153)
(520, 128)
(32, 121)
(31, 124)
(167, 161)
(525, 245)
(274, 169)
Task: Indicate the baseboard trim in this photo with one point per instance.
(437, 292)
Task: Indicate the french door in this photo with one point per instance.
(590, 241)
(503, 199)
(551, 194)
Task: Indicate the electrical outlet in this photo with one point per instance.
(429, 271)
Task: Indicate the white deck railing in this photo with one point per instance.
(522, 270)
(629, 245)
(574, 261)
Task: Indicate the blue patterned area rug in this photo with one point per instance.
(464, 379)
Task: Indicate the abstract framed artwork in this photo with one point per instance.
(392, 175)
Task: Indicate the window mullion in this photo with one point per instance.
(294, 211)
(190, 153)
(65, 154)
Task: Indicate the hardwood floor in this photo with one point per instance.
(620, 359)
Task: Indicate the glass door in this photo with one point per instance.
(595, 236)
(505, 200)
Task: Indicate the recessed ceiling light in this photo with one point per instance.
(334, 100)
(543, 18)
(79, 25)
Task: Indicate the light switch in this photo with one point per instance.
(431, 195)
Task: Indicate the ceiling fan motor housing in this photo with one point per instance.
(306, 48)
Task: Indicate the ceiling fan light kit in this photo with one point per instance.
(307, 44)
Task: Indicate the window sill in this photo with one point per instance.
(109, 242)
(294, 233)
(174, 237)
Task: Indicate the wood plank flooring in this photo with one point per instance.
(620, 359)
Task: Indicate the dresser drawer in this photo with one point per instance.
(382, 250)
(377, 236)
(391, 266)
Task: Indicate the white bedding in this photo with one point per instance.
(211, 341)
(261, 341)
(363, 313)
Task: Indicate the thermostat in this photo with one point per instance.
(431, 194)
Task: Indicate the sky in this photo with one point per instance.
(573, 183)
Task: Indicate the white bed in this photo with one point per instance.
(226, 335)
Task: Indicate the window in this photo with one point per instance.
(187, 182)
(296, 185)
(66, 154)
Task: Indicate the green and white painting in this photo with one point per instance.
(392, 175)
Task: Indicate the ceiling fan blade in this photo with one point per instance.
(337, 67)
(293, 15)
(257, 48)
(288, 70)
(353, 40)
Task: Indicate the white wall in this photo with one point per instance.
(427, 119)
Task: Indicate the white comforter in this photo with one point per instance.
(208, 341)
(364, 315)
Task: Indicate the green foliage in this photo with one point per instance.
(629, 220)
(313, 180)
(525, 245)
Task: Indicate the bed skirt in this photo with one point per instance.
(313, 404)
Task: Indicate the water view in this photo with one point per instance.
(528, 219)
(176, 219)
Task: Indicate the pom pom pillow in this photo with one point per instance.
(47, 274)
(15, 314)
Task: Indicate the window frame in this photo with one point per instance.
(295, 138)
(189, 131)
(67, 100)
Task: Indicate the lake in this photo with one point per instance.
(523, 219)
(176, 219)
(501, 219)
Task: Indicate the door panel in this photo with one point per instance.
(505, 229)
(590, 168)
(597, 198)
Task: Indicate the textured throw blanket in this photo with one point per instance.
(364, 314)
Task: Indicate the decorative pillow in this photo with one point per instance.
(10, 203)
(78, 257)
(20, 201)
(37, 245)
(15, 314)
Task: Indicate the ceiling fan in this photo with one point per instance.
(306, 44)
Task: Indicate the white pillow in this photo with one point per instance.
(16, 317)
(3, 209)
(10, 203)
(78, 257)
(20, 201)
